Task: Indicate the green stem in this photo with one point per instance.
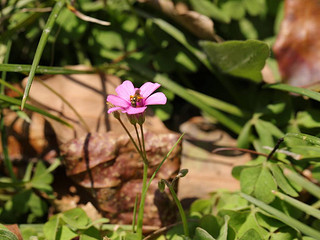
(181, 211)
(143, 144)
(139, 141)
(142, 201)
(130, 136)
(134, 214)
(43, 40)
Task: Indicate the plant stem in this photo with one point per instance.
(130, 136)
(134, 214)
(139, 141)
(181, 211)
(142, 201)
(143, 143)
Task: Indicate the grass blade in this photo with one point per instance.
(43, 40)
(305, 137)
(298, 204)
(298, 90)
(305, 229)
(309, 186)
(219, 104)
(17, 102)
(4, 142)
(23, 68)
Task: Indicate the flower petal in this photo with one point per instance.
(133, 110)
(148, 88)
(125, 90)
(156, 98)
(114, 109)
(117, 101)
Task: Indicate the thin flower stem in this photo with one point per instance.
(180, 208)
(130, 136)
(142, 201)
(139, 141)
(143, 143)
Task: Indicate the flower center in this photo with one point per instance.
(136, 99)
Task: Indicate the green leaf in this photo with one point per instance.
(304, 137)
(203, 206)
(209, 223)
(50, 228)
(224, 229)
(201, 234)
(265, 185)
(7, 235)
(255, 7)
(234, 9)
(245, 136)
(76, 218)
(247, 29)
(248, 178)
(66, 233)
(251, 234)
(309, 119)
(37, 206)
(243, 59)
(301, 91)
(281, 180)
(71, 28)
(231, 201)
(265, 136)
(209, 9)
(42, 178)
(273, 129)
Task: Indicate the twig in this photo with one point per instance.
(87, 18)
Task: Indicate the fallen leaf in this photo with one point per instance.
(109, 167)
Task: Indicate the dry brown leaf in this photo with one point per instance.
(297, 47)
(208, 171)
(108, 166)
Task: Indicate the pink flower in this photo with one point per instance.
(133, 100)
